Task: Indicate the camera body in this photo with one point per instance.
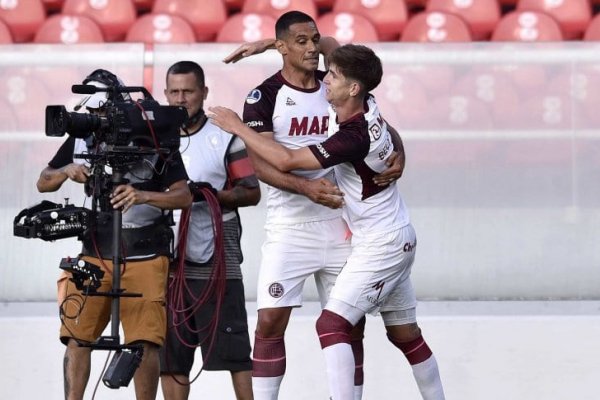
(122, 133)
(143, 123)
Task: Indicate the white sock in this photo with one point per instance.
(266, 388)
(358, 391)
(428, 379)
(340, 371)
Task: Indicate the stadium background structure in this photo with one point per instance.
(502, 170)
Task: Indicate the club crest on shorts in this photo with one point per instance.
(253, 97)
(276, 290)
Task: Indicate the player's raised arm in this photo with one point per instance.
(249, 49)
(326, 45)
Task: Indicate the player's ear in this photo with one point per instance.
(355, 88)
(281, 46)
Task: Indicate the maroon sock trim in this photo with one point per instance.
(359, 355)
(268, 357)
(333, 329)
(416, 351)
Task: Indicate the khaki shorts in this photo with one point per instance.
(143, 318)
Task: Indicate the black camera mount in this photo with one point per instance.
(123, 133)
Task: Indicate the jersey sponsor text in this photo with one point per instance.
(318, 126)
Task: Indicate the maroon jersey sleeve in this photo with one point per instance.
(351, 143)
(260, 105)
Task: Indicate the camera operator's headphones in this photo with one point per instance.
(103, 76)
(106, 79)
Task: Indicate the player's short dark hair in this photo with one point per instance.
(359, 63)
(186, 67)
(282, 26)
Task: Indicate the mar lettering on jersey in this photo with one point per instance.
(316, 125)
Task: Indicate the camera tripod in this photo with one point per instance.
(127, 357)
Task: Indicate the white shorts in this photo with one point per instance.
(292, 253)
(376, 277)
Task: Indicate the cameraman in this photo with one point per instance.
(217, 162)
(154, 184)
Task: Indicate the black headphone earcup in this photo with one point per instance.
(103, 76)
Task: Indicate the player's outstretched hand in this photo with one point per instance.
(249, 49)
(323, 191)
(396, 163)
(225, 119)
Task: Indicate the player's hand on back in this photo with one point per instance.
(395, 163)
(323, 191)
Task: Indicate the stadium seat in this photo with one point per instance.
(28, 96)
(347, 27)
(233, 5)
(206, 20)
(242, 27)
(493, 89)
(69, 29)
(481, 15)
(275, 8)
(592, 31)
(573, 16)
(7, 117)
(324, 4)
(113, 16)
(527, 26)
(143, 5)
(53, 5)
(436, 26)
(160, 28)
(388, 16)
(416, 4)
(23, 18)
(5, 36)
(585, 86)
(449, 111)
(404, 97)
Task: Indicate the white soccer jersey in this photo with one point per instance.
(298, 118)
(203, 155)
(358, 148)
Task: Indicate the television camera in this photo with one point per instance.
(118, 136)
(122, 133)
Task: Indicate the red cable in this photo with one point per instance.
(215, 287)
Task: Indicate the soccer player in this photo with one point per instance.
(376, 277)
(303, 238)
